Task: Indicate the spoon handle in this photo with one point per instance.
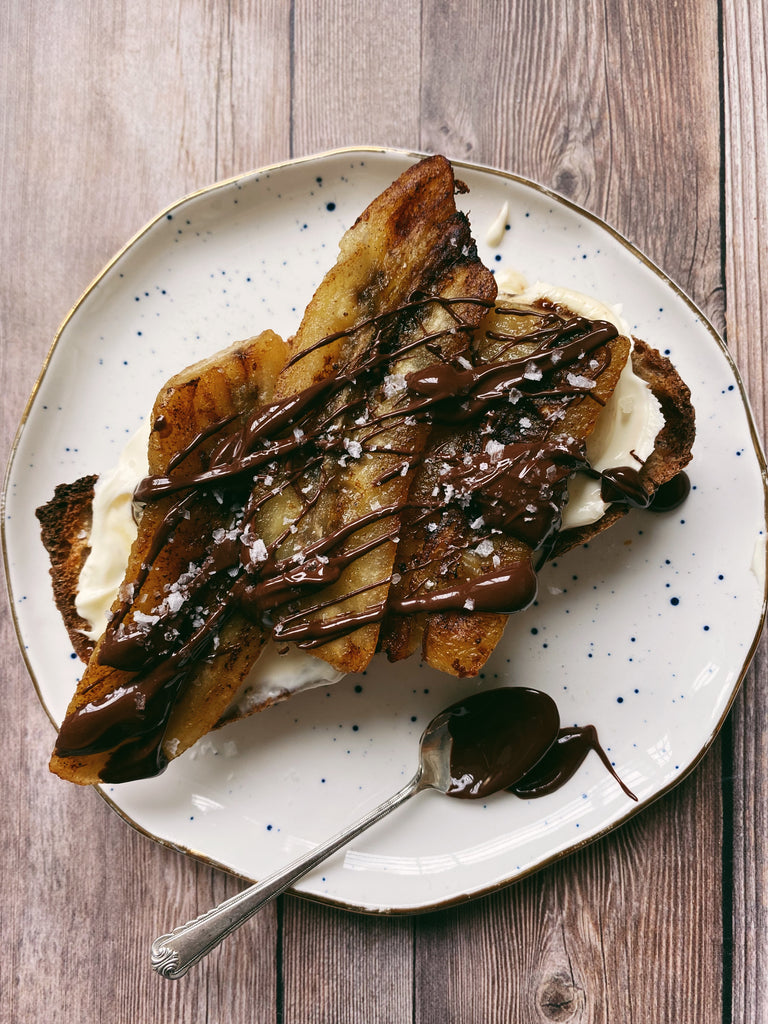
(173, 954)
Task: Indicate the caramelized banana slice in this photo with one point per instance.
(170, 662)
(490, 493)
(405, 293)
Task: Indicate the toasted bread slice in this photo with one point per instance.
(464, 640)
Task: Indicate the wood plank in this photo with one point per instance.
(745, 31)
(253, 85)
(747, 936)
(110, 113)
(591, 101)
(361, 967)
(594, 102)
(356, 74)
(355, 82)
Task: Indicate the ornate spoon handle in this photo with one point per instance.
(173, 954)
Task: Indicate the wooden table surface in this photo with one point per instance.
(652, 115)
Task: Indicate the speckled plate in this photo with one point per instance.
(646, 633)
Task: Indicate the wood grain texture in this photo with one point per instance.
(588, 100)
(653, 117)
(356, 75)
(109, 113)
(610, 131)
(573, 942)
(360, 968)
(745, 39)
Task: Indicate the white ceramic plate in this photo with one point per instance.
(646, 634)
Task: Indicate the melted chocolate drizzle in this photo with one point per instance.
(517, 490)
(672, 494)
(510, 738)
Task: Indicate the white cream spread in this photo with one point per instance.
(626, 428)
(276, 675)
(499, 226)
(112, 534)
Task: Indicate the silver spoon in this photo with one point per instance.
(519, 724)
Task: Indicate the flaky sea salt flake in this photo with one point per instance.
(258, 550)
(142, 619)
(393, 384)
(578, 380)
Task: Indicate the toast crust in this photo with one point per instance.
(65, 528)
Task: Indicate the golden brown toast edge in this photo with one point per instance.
(65, 526)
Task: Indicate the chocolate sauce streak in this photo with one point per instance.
(507, 479)
(510, 738)
(562, 761)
